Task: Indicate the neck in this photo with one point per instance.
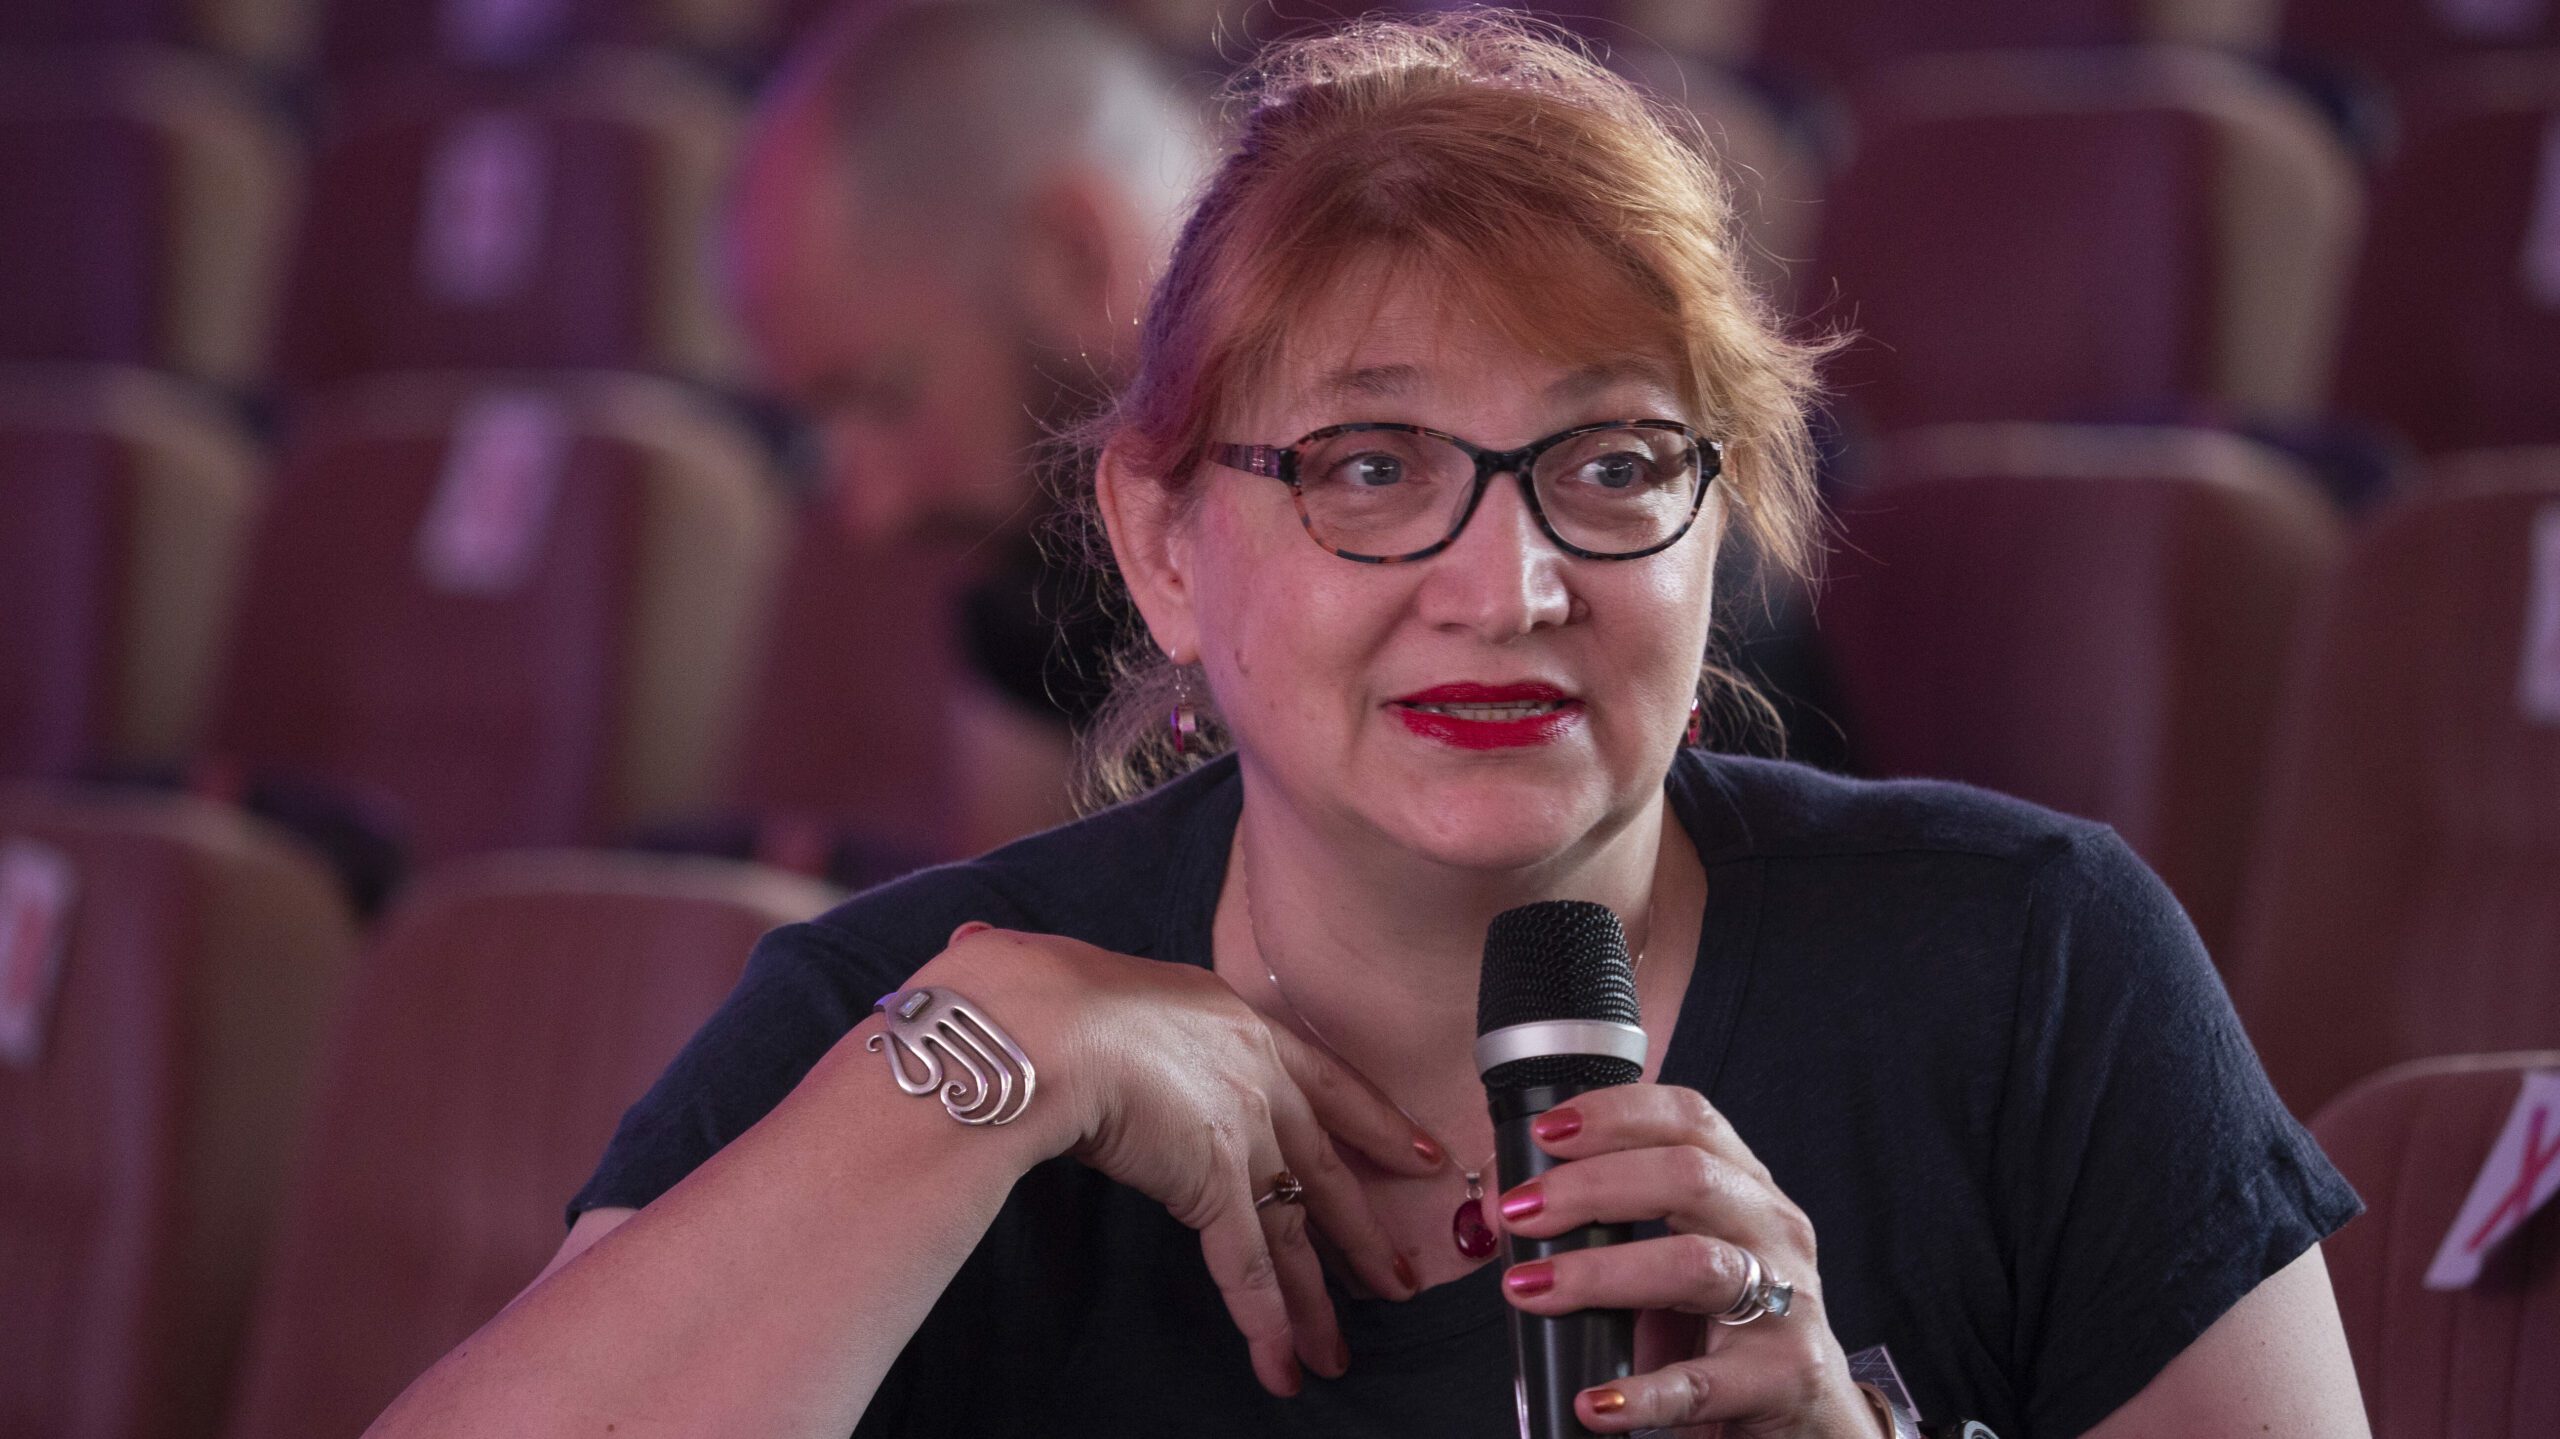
(1376, 955)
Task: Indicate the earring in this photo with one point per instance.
(1697, 721)
(1185, 719)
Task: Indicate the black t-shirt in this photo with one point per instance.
(1977, 1043)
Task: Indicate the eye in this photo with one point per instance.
(1372, 470)
(1620, 470)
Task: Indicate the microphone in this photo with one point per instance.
(1556, 1016)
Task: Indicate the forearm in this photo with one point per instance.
(766, 1294)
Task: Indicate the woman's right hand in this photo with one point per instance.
(1163, 1078)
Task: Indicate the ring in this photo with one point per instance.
(1285, 1189)
(1762, 1293)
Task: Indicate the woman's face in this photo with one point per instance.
(1356, 692)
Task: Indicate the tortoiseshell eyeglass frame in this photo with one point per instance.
(1280, 462)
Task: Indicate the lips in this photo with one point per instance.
(1477, 716)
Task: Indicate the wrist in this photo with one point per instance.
(1004, 991)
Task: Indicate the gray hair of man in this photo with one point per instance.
(950, 113)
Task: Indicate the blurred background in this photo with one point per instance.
(492, 517)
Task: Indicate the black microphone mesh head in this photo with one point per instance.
(1557, 959)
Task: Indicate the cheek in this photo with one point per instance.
(1281, 631)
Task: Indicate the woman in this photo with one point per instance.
(1970, 1045)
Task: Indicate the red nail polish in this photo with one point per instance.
(1535, 1277)
(1404, 1271)
(1429, 1151)
(1607, 1401)
(1341, 1356)
(1524, 1201)
(1557, 1124)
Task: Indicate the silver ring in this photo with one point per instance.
(1285, 1189)
(1762, 1293)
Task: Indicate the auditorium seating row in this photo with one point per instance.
(1832, 38)
(465, 613)
(2099, 235)
(256, 1175)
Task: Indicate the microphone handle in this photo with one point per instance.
(1555, 1357)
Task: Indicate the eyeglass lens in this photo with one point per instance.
(1387, 493)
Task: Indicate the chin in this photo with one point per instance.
(1498, 817)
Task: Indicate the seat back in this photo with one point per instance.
(2096, 619)
(2388, 40)
(494, 222)
(1845, 38)
(148, 196)
(125, 504)
(2119, 235)
(271, 34)
(500, 614)
(2401, 896)
(2474, 1363)
(143, 1144)
(2454, 332)
(510, 1010)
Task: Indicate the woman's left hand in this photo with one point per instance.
(1653, 1151)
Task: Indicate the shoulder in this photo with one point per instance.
(1119, 879)
(1740, 807)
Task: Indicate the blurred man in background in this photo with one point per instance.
(947, 226)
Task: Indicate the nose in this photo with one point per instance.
(1503, 578)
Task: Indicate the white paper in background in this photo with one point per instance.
(2488, 19)
(2538, 670)
(498, 32)
(2539, 265)
(36, 884)
(492, 507)
(2522, 1172)
(488, 189)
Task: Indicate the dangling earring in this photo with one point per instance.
(1697, 721)
(1185, 719)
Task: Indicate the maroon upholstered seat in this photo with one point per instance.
(504, 614)
(146, 194)
(361, 35)
(511, 1009)
(2135, 235)
(125, 502)
(143, 1144)
(264, 32)
(2096, 619)
(2389, 39)
(2476, 1363)
(2454, 330)
(1845, 37)
(478, 222)
(2402, 899)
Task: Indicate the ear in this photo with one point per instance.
(1078, 264)
(1153, 548)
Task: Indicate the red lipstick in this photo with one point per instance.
(1477, 716)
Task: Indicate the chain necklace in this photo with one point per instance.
(1468, 1231)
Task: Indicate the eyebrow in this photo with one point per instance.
(1380, 382)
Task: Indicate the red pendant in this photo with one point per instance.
(1474, 1237)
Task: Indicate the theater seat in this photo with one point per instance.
(143, 1142)
(2093, 618)
(2476, 1363)
(1845, 38)
(359, 36)
(500, 613)
(511, 1009)
(2139, 234)
(487, 221)
(2401, 897)
(148, 194)
(2387, 40)
(269, 34)
(125, 504)
(2454, 333)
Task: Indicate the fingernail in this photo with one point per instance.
(1404, 1272)
(1524, 1201)
(1536, 1277)
(975, 926)
(1557, 1124)
(1297, 1378)
(1607, 1401)
(1341, 1356)
(1429, 1152)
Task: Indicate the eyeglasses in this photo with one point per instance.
(1386, 494)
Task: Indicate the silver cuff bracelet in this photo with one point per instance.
(993, 1079)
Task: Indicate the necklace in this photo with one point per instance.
(1468, 1231)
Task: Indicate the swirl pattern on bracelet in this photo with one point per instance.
(943, 1033)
